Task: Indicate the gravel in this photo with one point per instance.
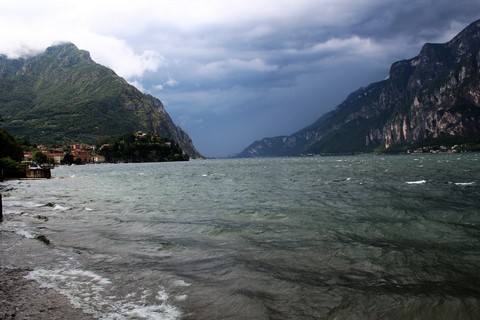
(24, 299)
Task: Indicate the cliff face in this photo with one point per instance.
(63, 96)
(433, 97)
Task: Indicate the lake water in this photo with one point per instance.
(361, 237)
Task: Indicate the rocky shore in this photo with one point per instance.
(24, 299)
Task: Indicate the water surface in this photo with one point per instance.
(360, 237)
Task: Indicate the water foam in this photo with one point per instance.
(162, 295)
(181, 283)
(25, 234)
(416, 182)
(464, 183)
(181, 297)
(94, 294)
(61, 208)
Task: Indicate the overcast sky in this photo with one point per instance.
(231, 72)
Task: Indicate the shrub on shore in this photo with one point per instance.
(10, 168)
(10, 155)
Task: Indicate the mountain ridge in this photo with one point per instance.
(62, 95)
(432, 97)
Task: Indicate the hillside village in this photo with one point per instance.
(80, 153)
(132, 147)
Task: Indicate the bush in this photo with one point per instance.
(68, 158)
(10, 167)
(39, 157)
(9, 147)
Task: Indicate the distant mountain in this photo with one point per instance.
(433, 98)
(62, 96)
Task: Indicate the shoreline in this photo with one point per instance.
(20, 298)
(25, 299)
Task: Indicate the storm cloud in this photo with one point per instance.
(231, 72)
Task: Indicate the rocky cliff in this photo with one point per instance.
(432, 98)
(62, 96)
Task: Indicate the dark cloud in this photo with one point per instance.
(231, 72)
(422, 20)
(306, 82)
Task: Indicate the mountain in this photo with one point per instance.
(62, 96)
(431, 99)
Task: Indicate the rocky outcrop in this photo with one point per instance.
(432, 98)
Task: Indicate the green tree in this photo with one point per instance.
(10, 168)
(68, 158)
(10, 155)
(9, 147)
(39, 157)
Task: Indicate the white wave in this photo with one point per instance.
(22, 204)
(162, 295)
(87, 274)
(416, 182)
(25, 234)
(88, 209)
(60, 208)
(181, 283)
(181, 297)
(155, 312)
(94, 294)
(464, 183)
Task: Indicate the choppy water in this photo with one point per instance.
(363, 237)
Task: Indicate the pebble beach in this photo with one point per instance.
(24, 299)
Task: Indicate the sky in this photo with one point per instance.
(230, 72)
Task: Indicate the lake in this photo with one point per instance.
(354, 237)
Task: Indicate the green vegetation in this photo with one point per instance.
(10, 155)
(458, 143)
(348, 139)
(10, 168)
(68, 159)
(473, 147)
(141, 147)
(40, 157)
(62, 97)
(63, 91)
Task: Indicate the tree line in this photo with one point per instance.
(130, 147)
(141, 147)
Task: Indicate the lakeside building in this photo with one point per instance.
(83, 155)
(84, 152)
(82, 146)
(98, 158)
(34, 171)
(56, 157)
